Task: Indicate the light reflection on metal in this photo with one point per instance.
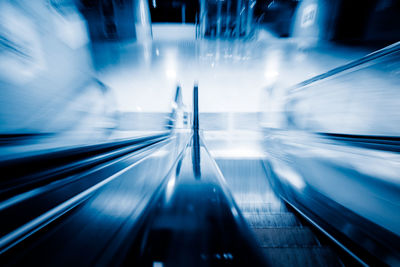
(170, 188)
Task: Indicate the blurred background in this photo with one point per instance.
(86, 71)
(309, 88)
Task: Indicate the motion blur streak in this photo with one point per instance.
(204, 133)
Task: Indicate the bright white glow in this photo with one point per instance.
(271, 72)
(170, 65)
(170, 188)
(285, 172)
(171, 73)
(237, 153)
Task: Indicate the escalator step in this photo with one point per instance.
(285, 237)
(315, 256)
(271, 220)
(260, 207)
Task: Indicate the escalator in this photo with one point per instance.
(189, 210)
(164, 200)
(214, 211)
(72, 206)
(283, 237)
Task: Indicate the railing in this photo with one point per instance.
(357, 99)
(45, 185)
(29, 172)
(346, 123)
(368, 58)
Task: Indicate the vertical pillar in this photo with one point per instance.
(183, 13)
(196, 137)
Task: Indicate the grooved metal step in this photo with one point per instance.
(280, 235)
(315, 256)
(285, 241)
(285, 237)
(271, 220)
(262, 207)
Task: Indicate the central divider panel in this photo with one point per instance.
(193, 220)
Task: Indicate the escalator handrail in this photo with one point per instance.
(52, 161)
(36, 164)
(33, 225)
(388, 50)
(91, 155)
